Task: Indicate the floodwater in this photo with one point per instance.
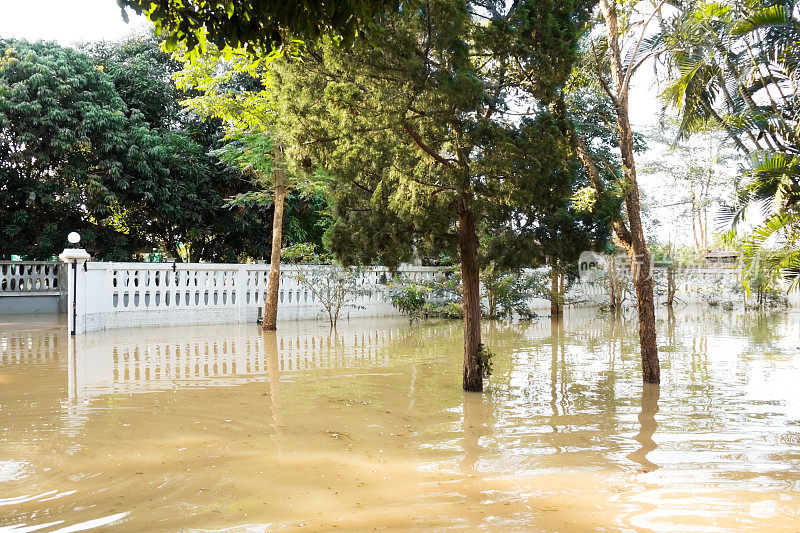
(213, 428)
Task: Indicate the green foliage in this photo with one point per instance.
(235, 92)
(95, 142)
(410, 299)
(483, 361)
(775, 186)
(412, 124)
(437, 297)
(250, 151)
(585, 224)
(507, 292)
(735, 65)
(761, 281)
(304, 253)
(504, 294)
(255, 26)
(69, 147)
(333, 287)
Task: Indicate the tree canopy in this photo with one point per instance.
(95, 142)
(413, 121)
(68, 143)
(256, 26)
(437, 131)
(735, 66)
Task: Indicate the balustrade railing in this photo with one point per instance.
(111, 295)
(26, 277)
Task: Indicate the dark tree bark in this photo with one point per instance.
(273, 283)
(470, 297)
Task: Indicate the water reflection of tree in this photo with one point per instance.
(476, 424)
(556, 332)
(763, 332)
(647, 426)
(607, 380)
(272, 356)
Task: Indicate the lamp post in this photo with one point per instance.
(74, 255)
(74, 238)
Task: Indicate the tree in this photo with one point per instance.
(235, 92)
(675, 258)
(735, 65)
(332, 287)
(68, 146)
(610, 61)
(197, 220)
(596, 140)
(701, 178)
(730, 65)
(416, 130)
(258, 26)
(96, 142)
(255, 153)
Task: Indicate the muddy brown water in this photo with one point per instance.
(209, 428)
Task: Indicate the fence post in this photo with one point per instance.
(240, 289)
(75, 261)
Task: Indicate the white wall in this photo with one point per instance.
(147, 294)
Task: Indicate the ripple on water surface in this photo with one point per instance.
(213, 427)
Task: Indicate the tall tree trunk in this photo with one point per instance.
(470, 297)
(273, 283)
(640, 263)
(638, 251)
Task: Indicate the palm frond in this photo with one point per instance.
(767, 16)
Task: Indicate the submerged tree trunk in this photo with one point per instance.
(671, 286)
(612, 292)
(470, 297)
(273, 284)
(638, 251)
(556, 287)
(647, 427)
(643, 281)
(639, 258)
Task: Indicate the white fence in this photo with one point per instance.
(113, 295)
(690, 285)
(26, 277)
(31, 286)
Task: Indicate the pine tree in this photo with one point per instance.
(427, 140)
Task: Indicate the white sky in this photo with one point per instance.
(65, 21)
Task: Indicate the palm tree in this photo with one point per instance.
(737, 66)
